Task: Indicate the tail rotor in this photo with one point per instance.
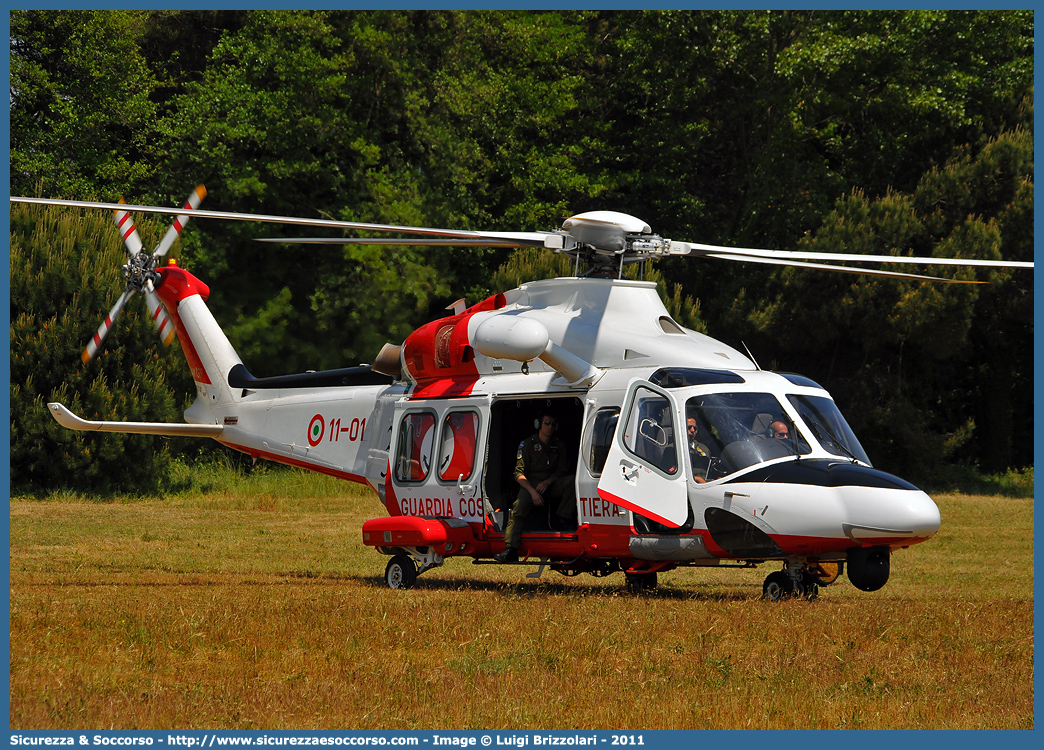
(180, 222)
(159, 316)
(140, 271)
(103, 330)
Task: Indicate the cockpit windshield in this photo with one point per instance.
(828, 426)
(731, 431)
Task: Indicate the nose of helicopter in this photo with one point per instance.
(892, 516)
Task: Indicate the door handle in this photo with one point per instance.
(464, 489)
(629, 472)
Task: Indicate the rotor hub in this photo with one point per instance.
(606, 241)
(140, 270)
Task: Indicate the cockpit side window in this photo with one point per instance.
(737, 430)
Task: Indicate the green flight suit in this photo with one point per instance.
(700, 455)
(538, 461)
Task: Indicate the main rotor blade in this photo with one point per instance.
(551, 240)
(460, 242)
(180, 222)
(103, 330)
(842, 269)
(750, 253)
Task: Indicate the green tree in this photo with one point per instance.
(923, 370)
(876, 130)
(746, 127)
(82, 120)
(437, 119)
(64, 279)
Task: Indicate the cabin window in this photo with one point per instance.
(650, 433)
(413, 451)
(598, 436)
(457, 447)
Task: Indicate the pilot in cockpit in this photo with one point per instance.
(778, 430)
(699, 452)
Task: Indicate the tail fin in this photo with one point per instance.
(208, 351)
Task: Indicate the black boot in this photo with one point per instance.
(510, 554)
(564, 523)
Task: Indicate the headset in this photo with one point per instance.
(770, 433)
(554, 428)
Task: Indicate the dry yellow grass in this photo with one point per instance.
(220, 613)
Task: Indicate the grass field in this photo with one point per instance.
(257, 607)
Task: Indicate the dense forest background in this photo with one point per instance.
(878, 132)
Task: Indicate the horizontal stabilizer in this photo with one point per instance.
(70, 421)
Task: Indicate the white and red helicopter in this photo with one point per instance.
(432, 426)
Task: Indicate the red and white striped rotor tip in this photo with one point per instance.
(160, 318)
(180, 222)
(128, 231)
(103, 330)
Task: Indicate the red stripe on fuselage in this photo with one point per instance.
(391, 501)
(791, 544)
(295, 462)
(610, 497)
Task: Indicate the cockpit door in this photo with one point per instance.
(644, 470)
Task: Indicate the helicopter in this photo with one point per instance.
(769, 472)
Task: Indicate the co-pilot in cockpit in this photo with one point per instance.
(743, 428)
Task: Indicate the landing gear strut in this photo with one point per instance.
(640, 582)
(793, 581)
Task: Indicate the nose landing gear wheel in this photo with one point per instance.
(777, 585)
(780, 585)
(811, 590)
(401, 572)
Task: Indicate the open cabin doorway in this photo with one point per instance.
(512, 421)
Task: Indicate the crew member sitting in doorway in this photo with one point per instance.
(545, 476)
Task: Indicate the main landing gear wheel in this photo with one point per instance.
(401, 572)
(780, 585)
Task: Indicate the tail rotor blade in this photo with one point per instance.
(128, 231)
(180, 222)
(164, 326)
(103, 330)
